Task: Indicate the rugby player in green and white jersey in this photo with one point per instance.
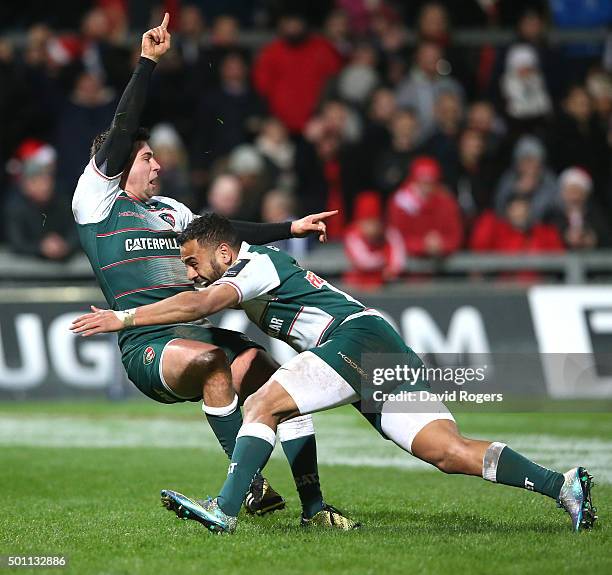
(331, 331)
(129, 235)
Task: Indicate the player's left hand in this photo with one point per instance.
(99, 321)
(312, 224)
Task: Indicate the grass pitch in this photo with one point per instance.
(83, 479)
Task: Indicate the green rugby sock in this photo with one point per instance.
(300, 447)
(504, 465)
(225, 423)
(254, 446)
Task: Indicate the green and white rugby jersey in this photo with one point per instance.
(286, 301)
(131, 245)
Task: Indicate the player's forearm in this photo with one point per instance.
(116, 150)
(183, 307)
(259, 234)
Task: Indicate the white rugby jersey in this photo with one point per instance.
(286, 301)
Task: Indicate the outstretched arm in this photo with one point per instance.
(260, 234)
(183, 307)
(115, 152)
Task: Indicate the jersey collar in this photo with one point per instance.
(244, 250)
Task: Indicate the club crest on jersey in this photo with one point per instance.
(148, 356)
(168, 218)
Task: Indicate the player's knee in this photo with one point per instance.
(255, 405)
(211, 362)
(263, 404)
(452, 455)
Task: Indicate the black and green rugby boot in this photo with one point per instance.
(262, 498)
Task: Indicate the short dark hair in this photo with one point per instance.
(210, 229)
(142, 135)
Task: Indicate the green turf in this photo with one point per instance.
(100, 508)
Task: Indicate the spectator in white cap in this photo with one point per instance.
(523, 88)
(530, 178)
(581, 224)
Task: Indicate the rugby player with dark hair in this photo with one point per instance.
(331, 331)
(129, 235)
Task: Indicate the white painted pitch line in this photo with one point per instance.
(339, 441)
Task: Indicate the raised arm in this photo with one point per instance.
(115, 151)
(181, 308)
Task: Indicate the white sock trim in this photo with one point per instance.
(490, 460)
(260, 430)
(295, 428)
(221, 411)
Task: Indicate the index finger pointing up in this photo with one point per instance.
(165, 21)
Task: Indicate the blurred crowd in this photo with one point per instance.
(425, 146)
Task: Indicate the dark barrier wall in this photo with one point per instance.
(526, 329)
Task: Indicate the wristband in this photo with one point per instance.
(127, 317)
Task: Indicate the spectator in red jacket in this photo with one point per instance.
(375, 252)
(513, 232)
(425, 213)
(292, 70)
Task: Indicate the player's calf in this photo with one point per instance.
(254, 444)
(297, 437)
(438, 442)
(571, 491)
